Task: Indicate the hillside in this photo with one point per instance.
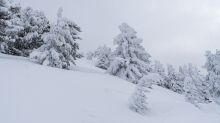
(32, 93)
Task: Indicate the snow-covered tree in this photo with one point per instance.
(21, 29)
(4, 16)
(104, 56)
(190, 90)
(212, 66)
(175, 80)
(89, 55)
(158, 68)
(185, 71)
(199, 82)
(5, 6)
(181, 70)
(59, 48)
(10, 26)
(137, 101)
(35, 25)
(132, 61)
(191, 93)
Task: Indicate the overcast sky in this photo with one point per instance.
(174, 31)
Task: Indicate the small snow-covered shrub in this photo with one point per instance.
(104, 57)
(89, 55)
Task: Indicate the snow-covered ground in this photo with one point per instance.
(32, 93)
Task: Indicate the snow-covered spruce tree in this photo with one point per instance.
(158, 68)
(4, 16)
(131, 60)
(174, 80)
(59, 48)
(199, 82)
(137, 101)
(185, 71)
(212, 66)
(10, 26)
(104, 56)
(170, 75)
(181, 70)
(89, 55)
(190, 90)
(191, 93)
(35, 25)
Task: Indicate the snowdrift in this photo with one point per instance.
(33, 93)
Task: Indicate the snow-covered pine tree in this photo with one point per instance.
(137, 101)
(132, 61)
(35, 25)
(10, 26)
(4, 16)
(104, 56)
(170, 75)
(175, 80)
(59, 48)
(181, 70)
(199, 82)
(89, 55)
(212, 66)
(185, 71)
(158, 68)
(191, 93)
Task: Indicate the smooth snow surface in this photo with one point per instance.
(33, 93)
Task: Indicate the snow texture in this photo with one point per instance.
(32, 93)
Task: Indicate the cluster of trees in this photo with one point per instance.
(131, 62)
(27, 32)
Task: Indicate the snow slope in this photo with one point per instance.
(32, 93)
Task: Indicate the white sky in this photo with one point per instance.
(174, 31)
